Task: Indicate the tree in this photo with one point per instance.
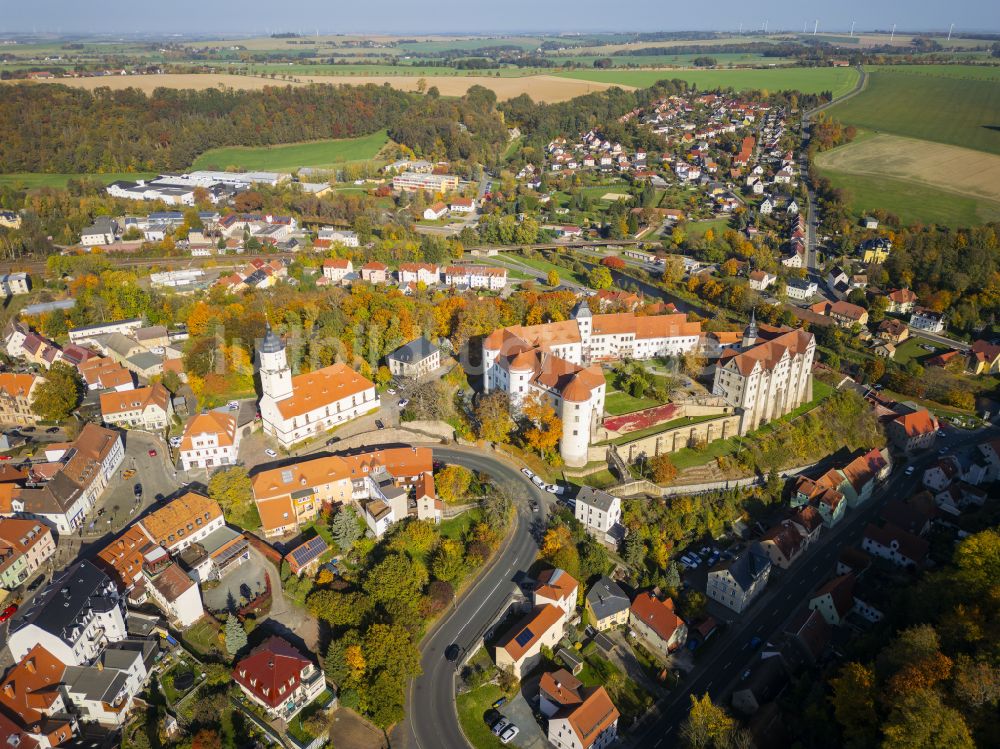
(236, 636)
(854, 704)
(448, 563)
(599, 278)
(345, 528)
(921, 720)
(663, 468)
(397, 578)
(453, 483)
(707, 725)
(232, 489)
(544, 427)
(495, 423)
(552, 279)
(339, 609)
(58, 394)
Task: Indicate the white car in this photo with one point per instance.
(538, 482)
(175, 441)
(509, 733)
(233, 405)
(270, 453)
(404, 403)
(391, 391)
(909, 470)
(527, 472)
(555, 489)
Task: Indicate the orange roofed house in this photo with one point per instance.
(279, 678)
(913, 431)
(297, 408)
(210, 439)
(30, 696)
(579, 717)
(558, 362)
(293, 494)
(655, 620)
(16, 394)
(146, 408)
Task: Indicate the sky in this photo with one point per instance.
(252, 17)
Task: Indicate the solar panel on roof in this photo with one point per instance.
(524, 638)
(308, 551)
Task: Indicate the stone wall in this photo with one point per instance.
(410, 431)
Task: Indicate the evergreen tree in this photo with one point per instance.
(236, 636)
(345, 529)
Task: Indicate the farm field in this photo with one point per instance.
(38, 179)
(323, 153)
(808, 80)
(953, 104)
(549, 88)
(916, 179)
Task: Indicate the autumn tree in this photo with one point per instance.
(452, 483)
(448, 561)
(493, 418)
(559, 550)
(58, 394)
(544, 427)
(663, 469)
(853, 700)
(232, 489)
(599, 278)
(552, 279)
(707, 725)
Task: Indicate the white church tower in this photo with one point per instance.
(275, 374)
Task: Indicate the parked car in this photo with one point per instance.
(151, 453)
(508, 734)
(37, 584)
(500, 726)
(527, 472)
(270, 453)
(379, 424)
(5, 457)
(404, 402)
(537, 481)
(233, 405)
(332, 441)
(391, 391)
(52, 430)
(555, 489)
(909, 470)
(27, 429)
(137, 490)
(8, 612)
(499, 703)
(755, 642)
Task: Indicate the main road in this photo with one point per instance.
(432, 716)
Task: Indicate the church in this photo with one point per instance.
(302, 407)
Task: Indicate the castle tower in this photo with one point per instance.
(275, 374)
(750, 332)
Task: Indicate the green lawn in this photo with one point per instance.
(455, 528)
(31, 180)
(545, 266)
(472, 708)
(911, 349)
(912, 202)
(203, 636)
(630, 699)
(320, 153)
(598, 479)
(943, 103)
(296, 727)
(618, 403)
(839, 81)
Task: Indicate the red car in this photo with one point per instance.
(8, 612)
(152, 453)
(4, 457)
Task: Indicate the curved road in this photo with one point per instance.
(431, 715)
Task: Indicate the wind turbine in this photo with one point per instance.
(949, 31)
(816, 27)
(852, 28)
(893, 34)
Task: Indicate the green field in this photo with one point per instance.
(675, 61)
(954, 104)
(321, 153)
(912, 202)
(31, 180)
(472, 707)
(839, 81)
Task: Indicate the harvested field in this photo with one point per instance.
(951, 168)
(611, 197)
(539, 87)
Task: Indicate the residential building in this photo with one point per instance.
(784, 544)
(475, 277)
(892, 543)
(338, 236)
(600, 512)
(304, 558)
(810, 632)
(767, 679)
(278, 678)
(24, 546)
(845, 314)
(588, 720)
(415, 359)
(893, 331)
(102, 373)
(102, 231)
(557, 362)
(176, 594)
(656, 622)
(294, 409)
(435, 211)
(559, 588)
(901, 301)
(103, 693)
(31, 700)
(462, 205)
(184, 521)
(875, 251)
(294, 494)
(984, 358)
(12, 284)
(73, 618)
(761, 280)
(424, 273)
(737, 582)
(375, 272)
(927, 320)
(216, 555)
(912, 431)
(210, 439)
(17, 392)
(146, 408)
(337, 269)
(607, 604)
(834, 600)
(520, 650)
(86, 467)
(768, 378)
(824, 493)
(862, 474)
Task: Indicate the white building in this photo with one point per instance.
(476, 277)
(147, 408)
(103, 693)
(337, 269)
(210, 439)
(414, 359)
(736, 583)
(12, 284)
(557, 362)
(425, 273)
(338, 236)
(89, 332)
(412, 181)
(599, 511)
(74, 617)
(279, 678)
(766, 379)
(800, 290)
(925, 319)
(297, 408)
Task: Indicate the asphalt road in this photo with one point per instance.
(786, 593)
(432, 717)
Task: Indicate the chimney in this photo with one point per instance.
(30, 665)
(8, 689)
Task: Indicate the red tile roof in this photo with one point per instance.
(658, 615)
(272, 671)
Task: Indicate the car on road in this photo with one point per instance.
(379, 424)
(755, 642)
(137, 490)
(128, 473)
(452, 652)
(270, 453)
(909, 470)
(233, 405)
(537, 481)
(8, 612)
(332, 441)
(403, 403)
(52, 430)
(555, 489)
(534, 506)
(499, 703)
(527, 472)
(940, 433)
(5, 457)
(26, 430)
(509, 733)
(745, 675)
(151, 453)
(942, 451)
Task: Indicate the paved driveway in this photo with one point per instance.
(250, 573)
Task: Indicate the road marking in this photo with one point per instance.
(728, 664)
